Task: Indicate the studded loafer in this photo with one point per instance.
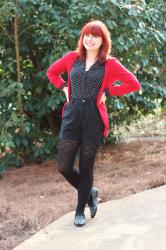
(79, 219)
(92, 203)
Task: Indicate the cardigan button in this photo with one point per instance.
(83, 100)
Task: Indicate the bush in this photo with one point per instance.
(30, 107)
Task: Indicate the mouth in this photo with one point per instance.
(89, 44)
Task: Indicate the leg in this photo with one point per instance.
(86, 165)
(67, 150)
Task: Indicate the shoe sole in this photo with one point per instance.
(79, 225)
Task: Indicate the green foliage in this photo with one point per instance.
(47, 30)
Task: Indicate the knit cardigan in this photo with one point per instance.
(114, 71)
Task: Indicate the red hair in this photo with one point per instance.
(96, 28)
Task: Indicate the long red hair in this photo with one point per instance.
(96, 28)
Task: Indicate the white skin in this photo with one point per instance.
(92, 45)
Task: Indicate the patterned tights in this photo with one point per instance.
(81, 179)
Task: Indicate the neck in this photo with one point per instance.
(91, 55)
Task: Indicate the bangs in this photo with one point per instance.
(93, 29)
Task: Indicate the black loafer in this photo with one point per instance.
(92, 203)
(79, 220)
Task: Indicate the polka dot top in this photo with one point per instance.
(86, 84)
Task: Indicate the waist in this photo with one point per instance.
(84, 100)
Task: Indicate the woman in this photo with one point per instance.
(91, 74)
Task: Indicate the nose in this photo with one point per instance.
(89, 37)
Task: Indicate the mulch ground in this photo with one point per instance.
(36, 195)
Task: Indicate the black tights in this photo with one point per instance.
(81, 179)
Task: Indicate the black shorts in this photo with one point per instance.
(82, 121)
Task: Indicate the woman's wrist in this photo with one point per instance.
(63, 86)
(107, 92)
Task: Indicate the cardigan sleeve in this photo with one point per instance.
(129, 81)
(56, 69)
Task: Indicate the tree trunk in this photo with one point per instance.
(19, 97)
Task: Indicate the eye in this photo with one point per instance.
(90, 35)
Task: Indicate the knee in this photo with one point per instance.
(63, 169)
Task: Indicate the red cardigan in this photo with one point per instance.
(114, 71)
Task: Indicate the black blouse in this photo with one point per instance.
(86, 84)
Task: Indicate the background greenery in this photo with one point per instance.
(36, 33)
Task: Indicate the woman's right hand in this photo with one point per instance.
(103, 98)
(65, 89)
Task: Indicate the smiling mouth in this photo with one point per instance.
(89, 44)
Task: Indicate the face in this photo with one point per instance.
(92, 42)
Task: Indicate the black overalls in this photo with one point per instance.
(81, 129)
(81, 119)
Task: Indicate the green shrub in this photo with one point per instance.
(30, 107)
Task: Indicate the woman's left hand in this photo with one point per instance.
(103, 98)
(65, 89)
